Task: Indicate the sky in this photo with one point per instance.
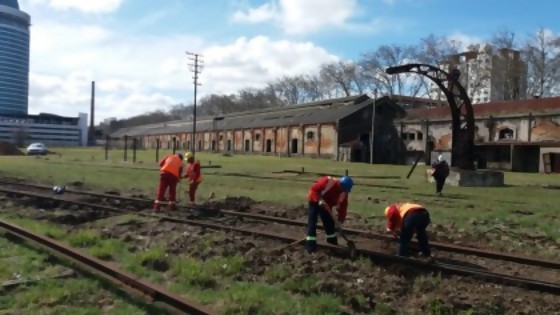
(135, 50)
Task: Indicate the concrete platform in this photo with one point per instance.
(479, 178)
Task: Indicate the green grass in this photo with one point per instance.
(474, 211)
(49, 295)
(211, 281)
(19, 262)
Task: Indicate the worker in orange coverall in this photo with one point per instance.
(171, 169)
(409, 218)
(326, 195)
(193, 174)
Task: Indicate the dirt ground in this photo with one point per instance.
(364, 286)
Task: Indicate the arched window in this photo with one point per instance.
(506, 134)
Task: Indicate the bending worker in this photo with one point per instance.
(171, 168)
(409, 218)
(326, 195)
(193, 174)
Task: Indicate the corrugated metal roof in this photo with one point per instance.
(328, 111)
(534, 106)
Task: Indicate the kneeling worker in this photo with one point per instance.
(409, 218)
(325, 195)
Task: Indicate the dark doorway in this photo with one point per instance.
(268, 145)
(295, 146)
(199, 145)
(213, 145)
(247, 145)
(229, 145)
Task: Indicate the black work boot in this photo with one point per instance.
(332, 240)
(311, 246)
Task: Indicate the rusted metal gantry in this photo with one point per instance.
(463, 127)
(375, 255)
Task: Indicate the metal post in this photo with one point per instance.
(134, 147)
(157, 150)
(195, 68)
(125, 148)
(372, 135)
(107, 139)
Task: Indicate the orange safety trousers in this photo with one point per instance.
(167, 180)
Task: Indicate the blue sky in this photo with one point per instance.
(134, 49)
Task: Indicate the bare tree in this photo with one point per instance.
(314, 88)
(542, 53)
(434, 49)
(344, 75)
(375, 62)
(291, 89)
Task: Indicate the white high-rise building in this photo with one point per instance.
(487, 75)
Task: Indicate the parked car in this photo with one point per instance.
(37, 148)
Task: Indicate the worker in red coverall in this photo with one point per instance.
(409, 218)
(171, 169)
(325, 196)
(193, 174)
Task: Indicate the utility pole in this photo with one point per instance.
(372, 137)
(195, 66)
(91, 136)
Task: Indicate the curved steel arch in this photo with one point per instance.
(463, 128)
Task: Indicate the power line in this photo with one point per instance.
(196, 65)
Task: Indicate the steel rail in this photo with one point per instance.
(437, 245)
(170, 301)
(374, 255)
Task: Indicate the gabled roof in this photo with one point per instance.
(496, 109)
(328, 111)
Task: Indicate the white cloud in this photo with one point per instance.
(301, 17)
(87, 6)
(138, 74)
(465, 40)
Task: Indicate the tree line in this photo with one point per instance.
(540, 50)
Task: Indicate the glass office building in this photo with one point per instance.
(14, 58)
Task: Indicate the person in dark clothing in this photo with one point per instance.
(325, 196)
(405, 219)
(440, 171)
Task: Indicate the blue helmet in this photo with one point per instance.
(346, 182)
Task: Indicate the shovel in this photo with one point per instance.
(351, 245)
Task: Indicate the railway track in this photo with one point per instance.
(451, 248)
(128, 282)
(376, 255)
(258, 177)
